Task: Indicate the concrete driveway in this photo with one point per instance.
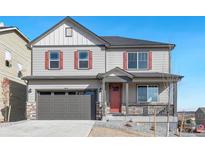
(44, 128)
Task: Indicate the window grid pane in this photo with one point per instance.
(132, 60)
(54, 59)
(54, 64)
(147, 93)
(54, 55)
(83, 55)
(142, 60)
(142, 93)
(83, 59)
(83, 64)
(152, 94)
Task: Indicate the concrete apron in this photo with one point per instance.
(48, 128)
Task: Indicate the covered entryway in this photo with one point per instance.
(66, 105)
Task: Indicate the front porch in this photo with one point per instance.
(142, 95)
(127, 102)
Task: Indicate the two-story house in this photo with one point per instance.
(77, 74)
(15, 62)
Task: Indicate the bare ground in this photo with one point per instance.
(110, 132)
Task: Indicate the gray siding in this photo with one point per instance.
(160, 60)
(68, 55)
(60, 85)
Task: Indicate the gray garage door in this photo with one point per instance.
(66, 106)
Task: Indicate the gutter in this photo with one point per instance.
(171, 46)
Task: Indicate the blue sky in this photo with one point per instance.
(188, 33)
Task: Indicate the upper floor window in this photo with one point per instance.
(8, 59)
(83, 60)
(137, 60)
(19, 70)
(54, 60)
(147, 93)
(68, 32)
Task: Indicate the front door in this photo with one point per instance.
(115, 97)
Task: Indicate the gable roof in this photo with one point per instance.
(202, 109)
(115, 70)
(108, 41)
(75, 23)
(15, 29)
(124, 41)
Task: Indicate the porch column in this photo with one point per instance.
(175, 98)
(126, 96)
(104, 103)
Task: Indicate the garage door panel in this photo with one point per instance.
(74, 116)
(44, 116)
(44, 108)
(65, 107)
(45, 99)
(74, 107)
(59, 107)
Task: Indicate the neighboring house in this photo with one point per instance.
(15, 62)
(77, 74)
(183, 115)
(200, 115)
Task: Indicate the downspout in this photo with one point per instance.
(105, 60)
(168, 107)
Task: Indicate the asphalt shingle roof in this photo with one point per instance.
(155, 75)
(124, 41)
(202, 109)
(5, 27)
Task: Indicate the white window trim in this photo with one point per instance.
(80, 51)
(54, 51)
(134, 69)
(8, 56)
(147, 94)
(19, 67)
(67, 28)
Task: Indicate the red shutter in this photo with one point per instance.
(76, 60)
(61, 60)
(125, 60)
(46, 60)
(90, 61)
(150, 60)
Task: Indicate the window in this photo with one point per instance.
(7, 59)
(19, 70)
(132, 60)
(142, 93)
(68, 32)
(83, 59)
(137, 60)
(54, 60)
(59, 93)
(142, 60)
(147, 93)
(71, 93)
(45, 93)
(7, 63)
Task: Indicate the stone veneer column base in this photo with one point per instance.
(31, 110)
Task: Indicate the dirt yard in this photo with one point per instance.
(109, 132)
